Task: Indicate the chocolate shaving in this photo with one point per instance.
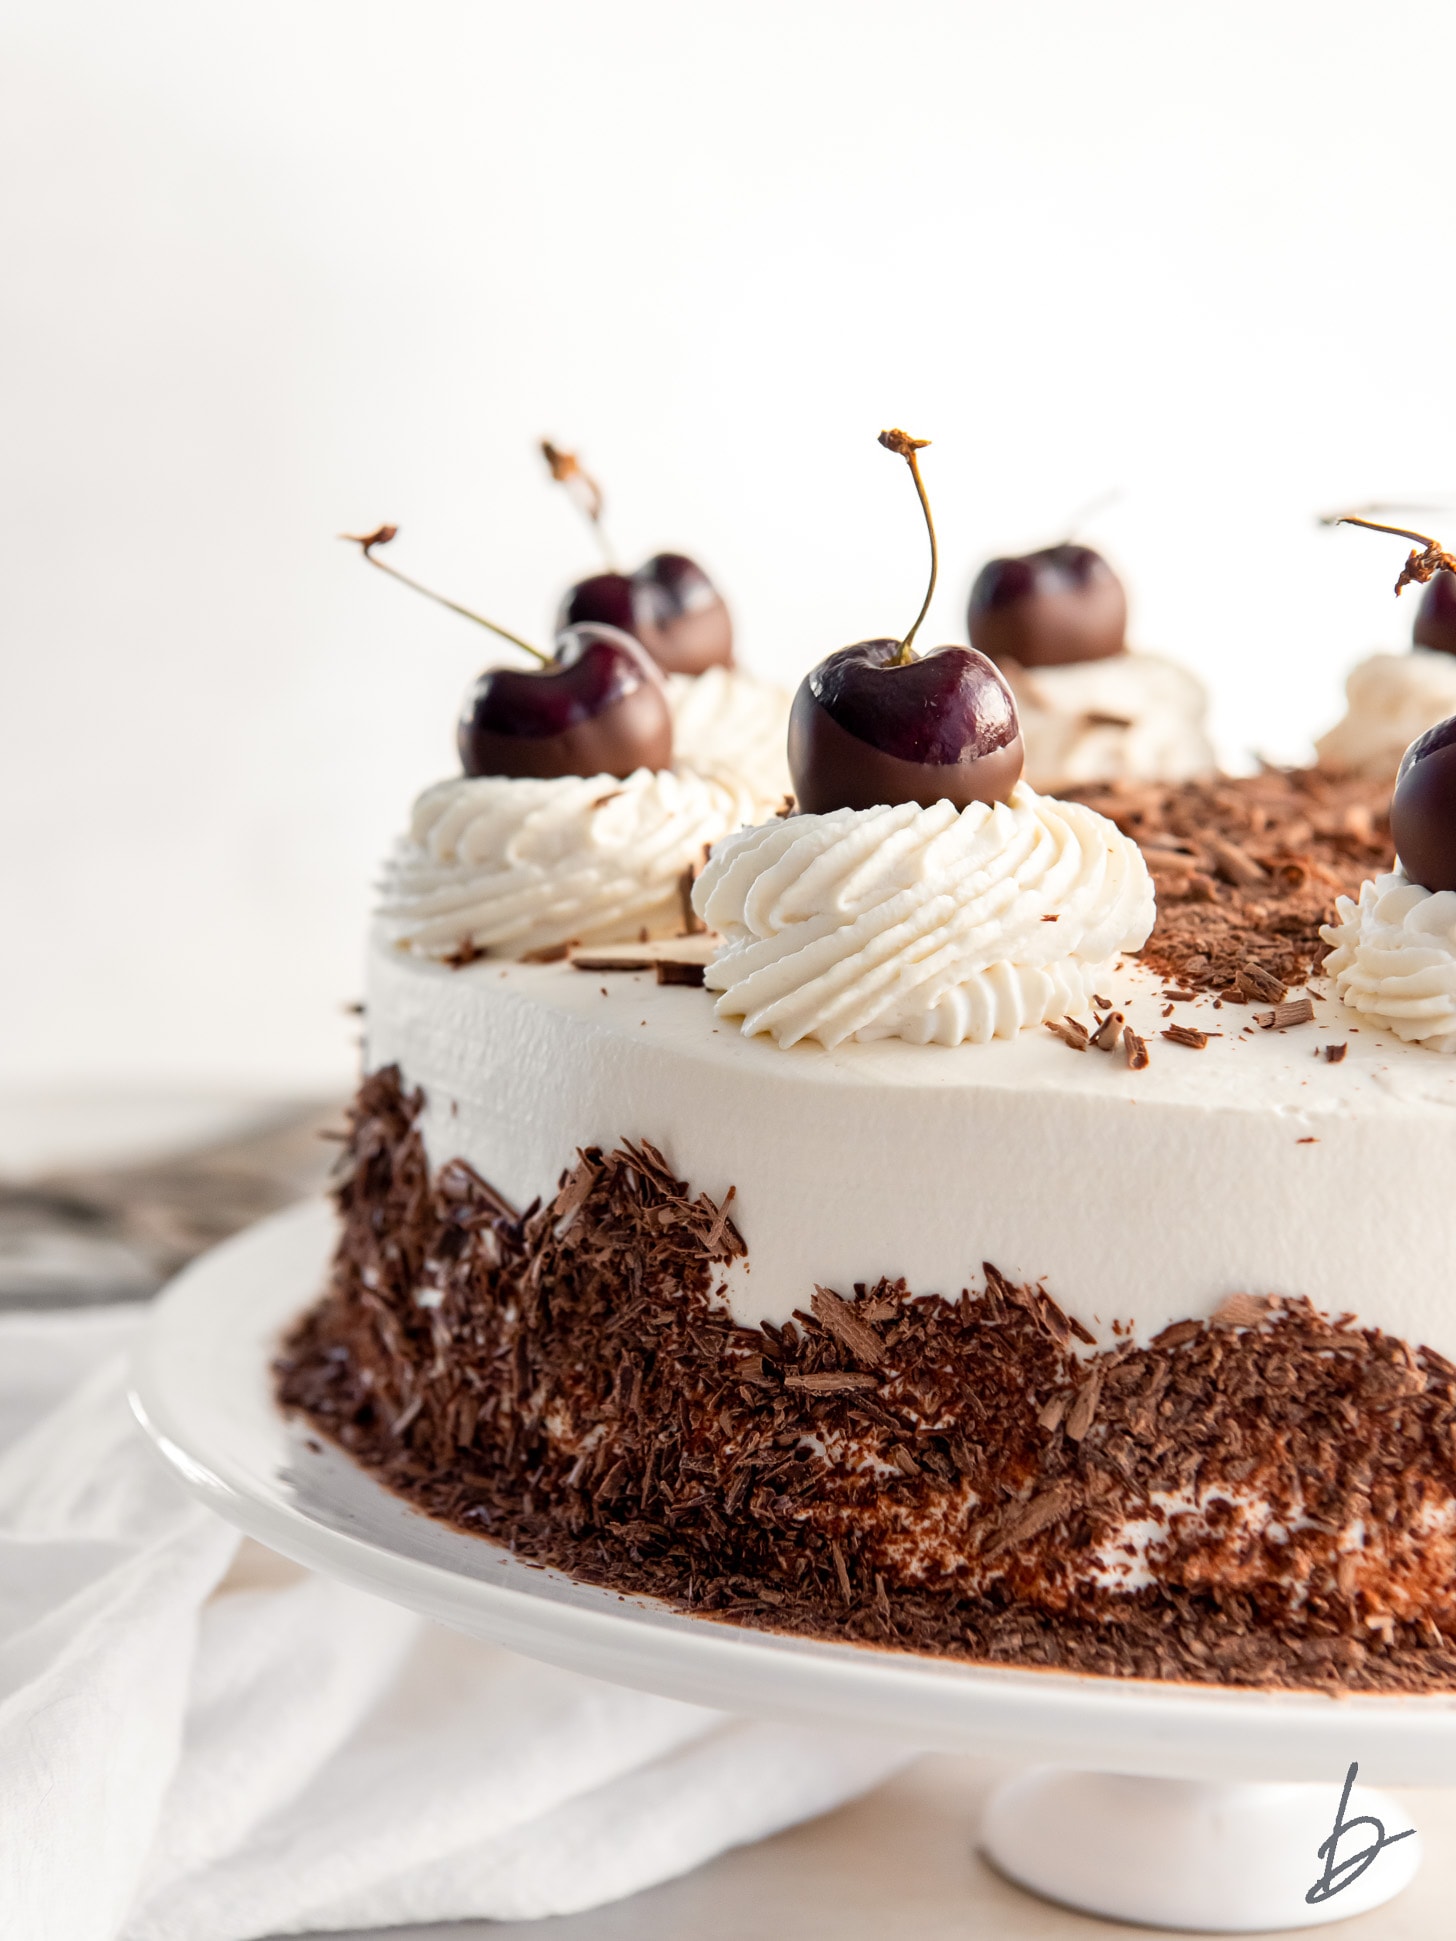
(464, 954)
(1242, 1311)
(692, 923)
(1070, 1032)
(833, 1381)
(1235, 865)
(1083, 1411)
(841, 1572)
(1030, 1519)
(575, 1192)
(840, 1320)
(671, 972)
(1334, 1054)
(1109, 1031)
(1053, 1414)
(1185, 1034)
(1250, 980)
(1136, 1049)
(1297, 1010)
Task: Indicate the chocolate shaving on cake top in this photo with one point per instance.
(940, 1474)
(1246, 869)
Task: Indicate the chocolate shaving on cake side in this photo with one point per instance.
(1247, 868)
(940, 1474)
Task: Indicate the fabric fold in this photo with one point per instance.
(202, 1740)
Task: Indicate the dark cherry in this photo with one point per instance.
(1436, 615)
(1423, 808)
(877, 723)
(669, 603)
(682, 618)
(1048, 608)
(599, 708)
(596, 706)
(868, 728)
(606, 598)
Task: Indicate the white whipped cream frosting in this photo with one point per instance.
(1393, 959)
(1134, 717)
(515, 866)
(729, 724)
(935, 925)
(1390, 699)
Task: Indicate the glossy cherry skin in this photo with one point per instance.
(1436, 615)
(606, 598)
(1423, 808)
(682, 619)
(600, 708)
(1048, 608)
(863, 732)
(669, 604)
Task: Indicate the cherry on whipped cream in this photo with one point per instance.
(1048, 608)
(1423, 808)
(876, 723)
(596, 705)
(668, 604)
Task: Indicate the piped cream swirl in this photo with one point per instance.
(517, 866)
(1134, 717)
(1390, 699)
(935, 925)
(732, 725)
(1393, 959)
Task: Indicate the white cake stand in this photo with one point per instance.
(1174, 1805)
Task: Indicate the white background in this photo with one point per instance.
(274, 270)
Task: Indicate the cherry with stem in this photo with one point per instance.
(381, 536)
(877, 723)
(668, 604)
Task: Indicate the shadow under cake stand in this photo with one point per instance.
(1183, 1806)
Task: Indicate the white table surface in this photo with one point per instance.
(901, 1865)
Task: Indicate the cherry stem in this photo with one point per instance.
(366, 542)
(1379, 505)
(585, 493)
(907, 447)
(1420, 566)
(1090, 510)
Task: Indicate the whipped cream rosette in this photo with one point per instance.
(732, 725)
(518, 866)
(1393, 959)
(933, 925)
(1129, 716)
(1390, 699)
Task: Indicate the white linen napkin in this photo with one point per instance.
(200, 1742)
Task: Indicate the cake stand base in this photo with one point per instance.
(1208, 1857)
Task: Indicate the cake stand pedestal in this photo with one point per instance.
(1185, 1806)
(1204, 1855)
